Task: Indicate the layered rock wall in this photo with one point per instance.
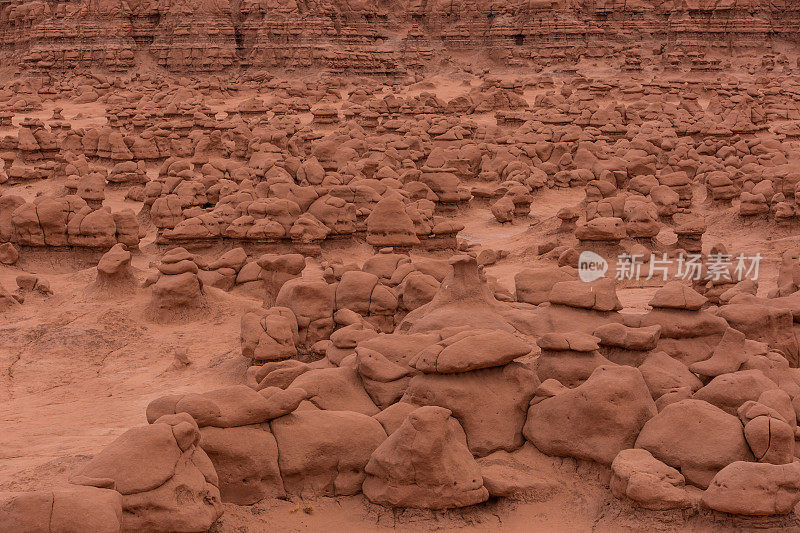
(372, 37)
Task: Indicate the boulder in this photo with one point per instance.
(278, 374)
(491, 404)
(686, 335)
(595, 420)
(7, 300)
(727, 357)
(533, 285)
(676, 295)
(67, 510)
(336, 389)
(425, 464)
(617, 335)
(651, 484)
(755, 489)
(603, 229)
(8, 254)
(269, 334)
(470, 350)
(663, 374)
(730, 391)
(383, 380)
(277, 270)
(518, 475)
(503, 209)
(599, 295)
(313, 303)
(233, 406)
(167, 481)
(246, 461)
(325, 452)
(771, 439)
(695, 437)
(764, 320)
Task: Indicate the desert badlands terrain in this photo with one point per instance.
(410, 266)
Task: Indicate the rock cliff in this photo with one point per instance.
(379, 37)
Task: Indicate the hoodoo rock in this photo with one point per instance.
(114, 272)
(177, 285)
(389, 225)
(424, 463)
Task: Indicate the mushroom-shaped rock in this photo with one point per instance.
(178, 284)
(389, 225)
(569, 358)
(114, 269)
(463, 299)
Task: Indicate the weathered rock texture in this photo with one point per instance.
(206, 35)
